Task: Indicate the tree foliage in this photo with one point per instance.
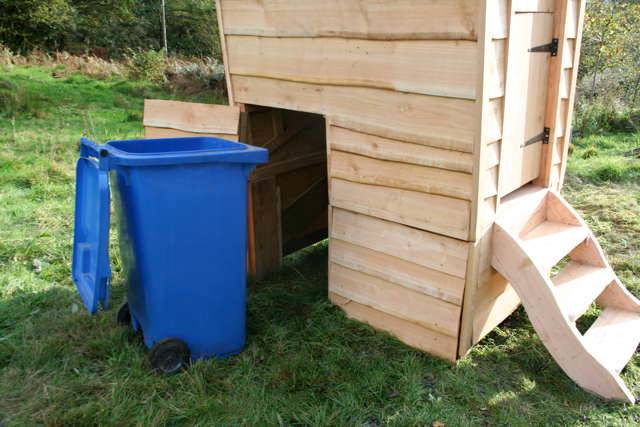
(611, 49)
(108, 27)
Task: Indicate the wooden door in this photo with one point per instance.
(525, 99)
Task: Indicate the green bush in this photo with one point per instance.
(589, 153)
(149, 66)
(604, 114)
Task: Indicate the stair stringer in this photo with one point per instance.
(559, 336)
(618, 295)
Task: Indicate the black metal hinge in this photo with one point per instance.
(544, 137)
(551, 48)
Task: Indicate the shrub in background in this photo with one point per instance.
(148, 65)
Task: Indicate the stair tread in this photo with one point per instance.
(613, 338)
(521, 203)
(578, 285)
(551, 241)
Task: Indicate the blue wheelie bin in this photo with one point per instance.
(181, 205)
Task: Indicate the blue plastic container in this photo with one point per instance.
(182, 221)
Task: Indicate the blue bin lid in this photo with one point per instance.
(90, 263)
(169, 151)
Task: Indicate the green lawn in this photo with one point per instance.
(305, 363)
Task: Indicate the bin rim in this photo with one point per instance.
(228, 152)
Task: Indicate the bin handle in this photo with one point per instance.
(89, 149)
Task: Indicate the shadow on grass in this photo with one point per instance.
(305, 363)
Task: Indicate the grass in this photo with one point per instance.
(601, 159)
(305, 363)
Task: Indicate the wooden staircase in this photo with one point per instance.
(536, 230)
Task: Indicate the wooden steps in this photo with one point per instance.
(613, 338)
(535, 230)
(578, 285)
(551, 241)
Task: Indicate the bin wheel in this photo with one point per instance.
(124, 314)
(170, 356)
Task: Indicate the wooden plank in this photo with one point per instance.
(613, 338)
(388, 149)
(365, 170)
(284, 166)
(580, 16)
(150, 132)
(496, 26)
(302, 216)
(578, 285)
(409, 333)
(311, 139)
(296, 183)
(525, 100)
(534, 6)
(223, 48)
(429, 250)
(468, 308)
(488, 118)
(568, 54)
(492, 123)
(492, 155)
(191, 117)
(490, 183)
(563, 115)
(430, 67)
(553, 98)
(495, 301)
(267, 227)
(432, 313)
(433, 121)
(496, 58)
(551, 241)
(487, 212)
(442, 215)
(362, 19)
(565, 83)
(573, 18)
(395, 270)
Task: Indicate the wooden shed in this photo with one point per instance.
(447, 127)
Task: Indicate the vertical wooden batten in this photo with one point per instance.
(489, 10)
(569, 22)
(225, 56)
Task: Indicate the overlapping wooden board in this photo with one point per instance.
(430, 67)
(399, 301)
(190, 119)
(366, 170)
(434, 121)
(411, 333)
(151, 132)
(362, 19)
(439, 253)
(442, 215)
(377, 147)
(397, 270)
